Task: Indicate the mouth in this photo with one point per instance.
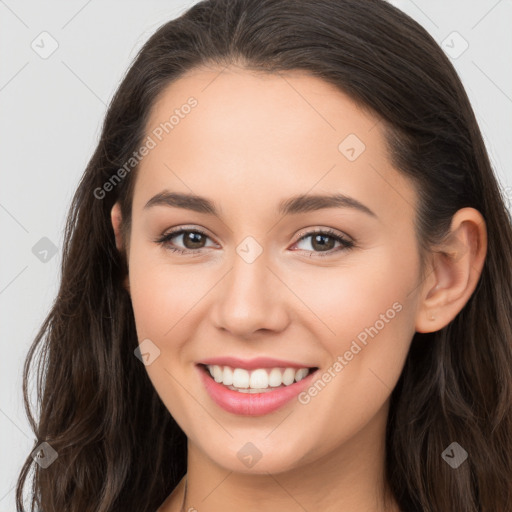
(252, 393)
(259, 380)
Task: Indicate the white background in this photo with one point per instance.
(51, 113)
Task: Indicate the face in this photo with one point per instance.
(314, 284)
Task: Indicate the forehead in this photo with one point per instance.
(270, 106)
(263, 136)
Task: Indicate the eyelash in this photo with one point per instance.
(345, 243)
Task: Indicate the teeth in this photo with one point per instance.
(240, 378)
(288, 376)
(256, 380)
(275, 377)
(227, 376)
(217, 373)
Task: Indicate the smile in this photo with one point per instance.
(240, 379)
(253, 393)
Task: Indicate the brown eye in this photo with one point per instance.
(192, 240)
(323, 241)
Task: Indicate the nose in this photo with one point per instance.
(251, 298)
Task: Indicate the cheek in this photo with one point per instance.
(342, 300)
(364, 318)
(162, 293)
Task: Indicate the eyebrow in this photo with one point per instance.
(294, 205)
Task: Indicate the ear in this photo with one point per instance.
(117, 220)
(457, 265)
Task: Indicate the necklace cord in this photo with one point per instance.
(184, 496)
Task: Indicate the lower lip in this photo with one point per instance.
(252, 404)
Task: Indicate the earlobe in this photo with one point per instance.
(457, 265)
(116, 218)
(126, 284)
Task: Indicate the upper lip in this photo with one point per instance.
(253, 364)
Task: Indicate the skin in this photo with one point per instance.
(252, 141)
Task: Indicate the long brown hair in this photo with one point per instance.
(97, 404)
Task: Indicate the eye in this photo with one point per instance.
(323, 240)
(193, 240)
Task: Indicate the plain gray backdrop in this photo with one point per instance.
(60, 65)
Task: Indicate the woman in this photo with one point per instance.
(286, 279)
